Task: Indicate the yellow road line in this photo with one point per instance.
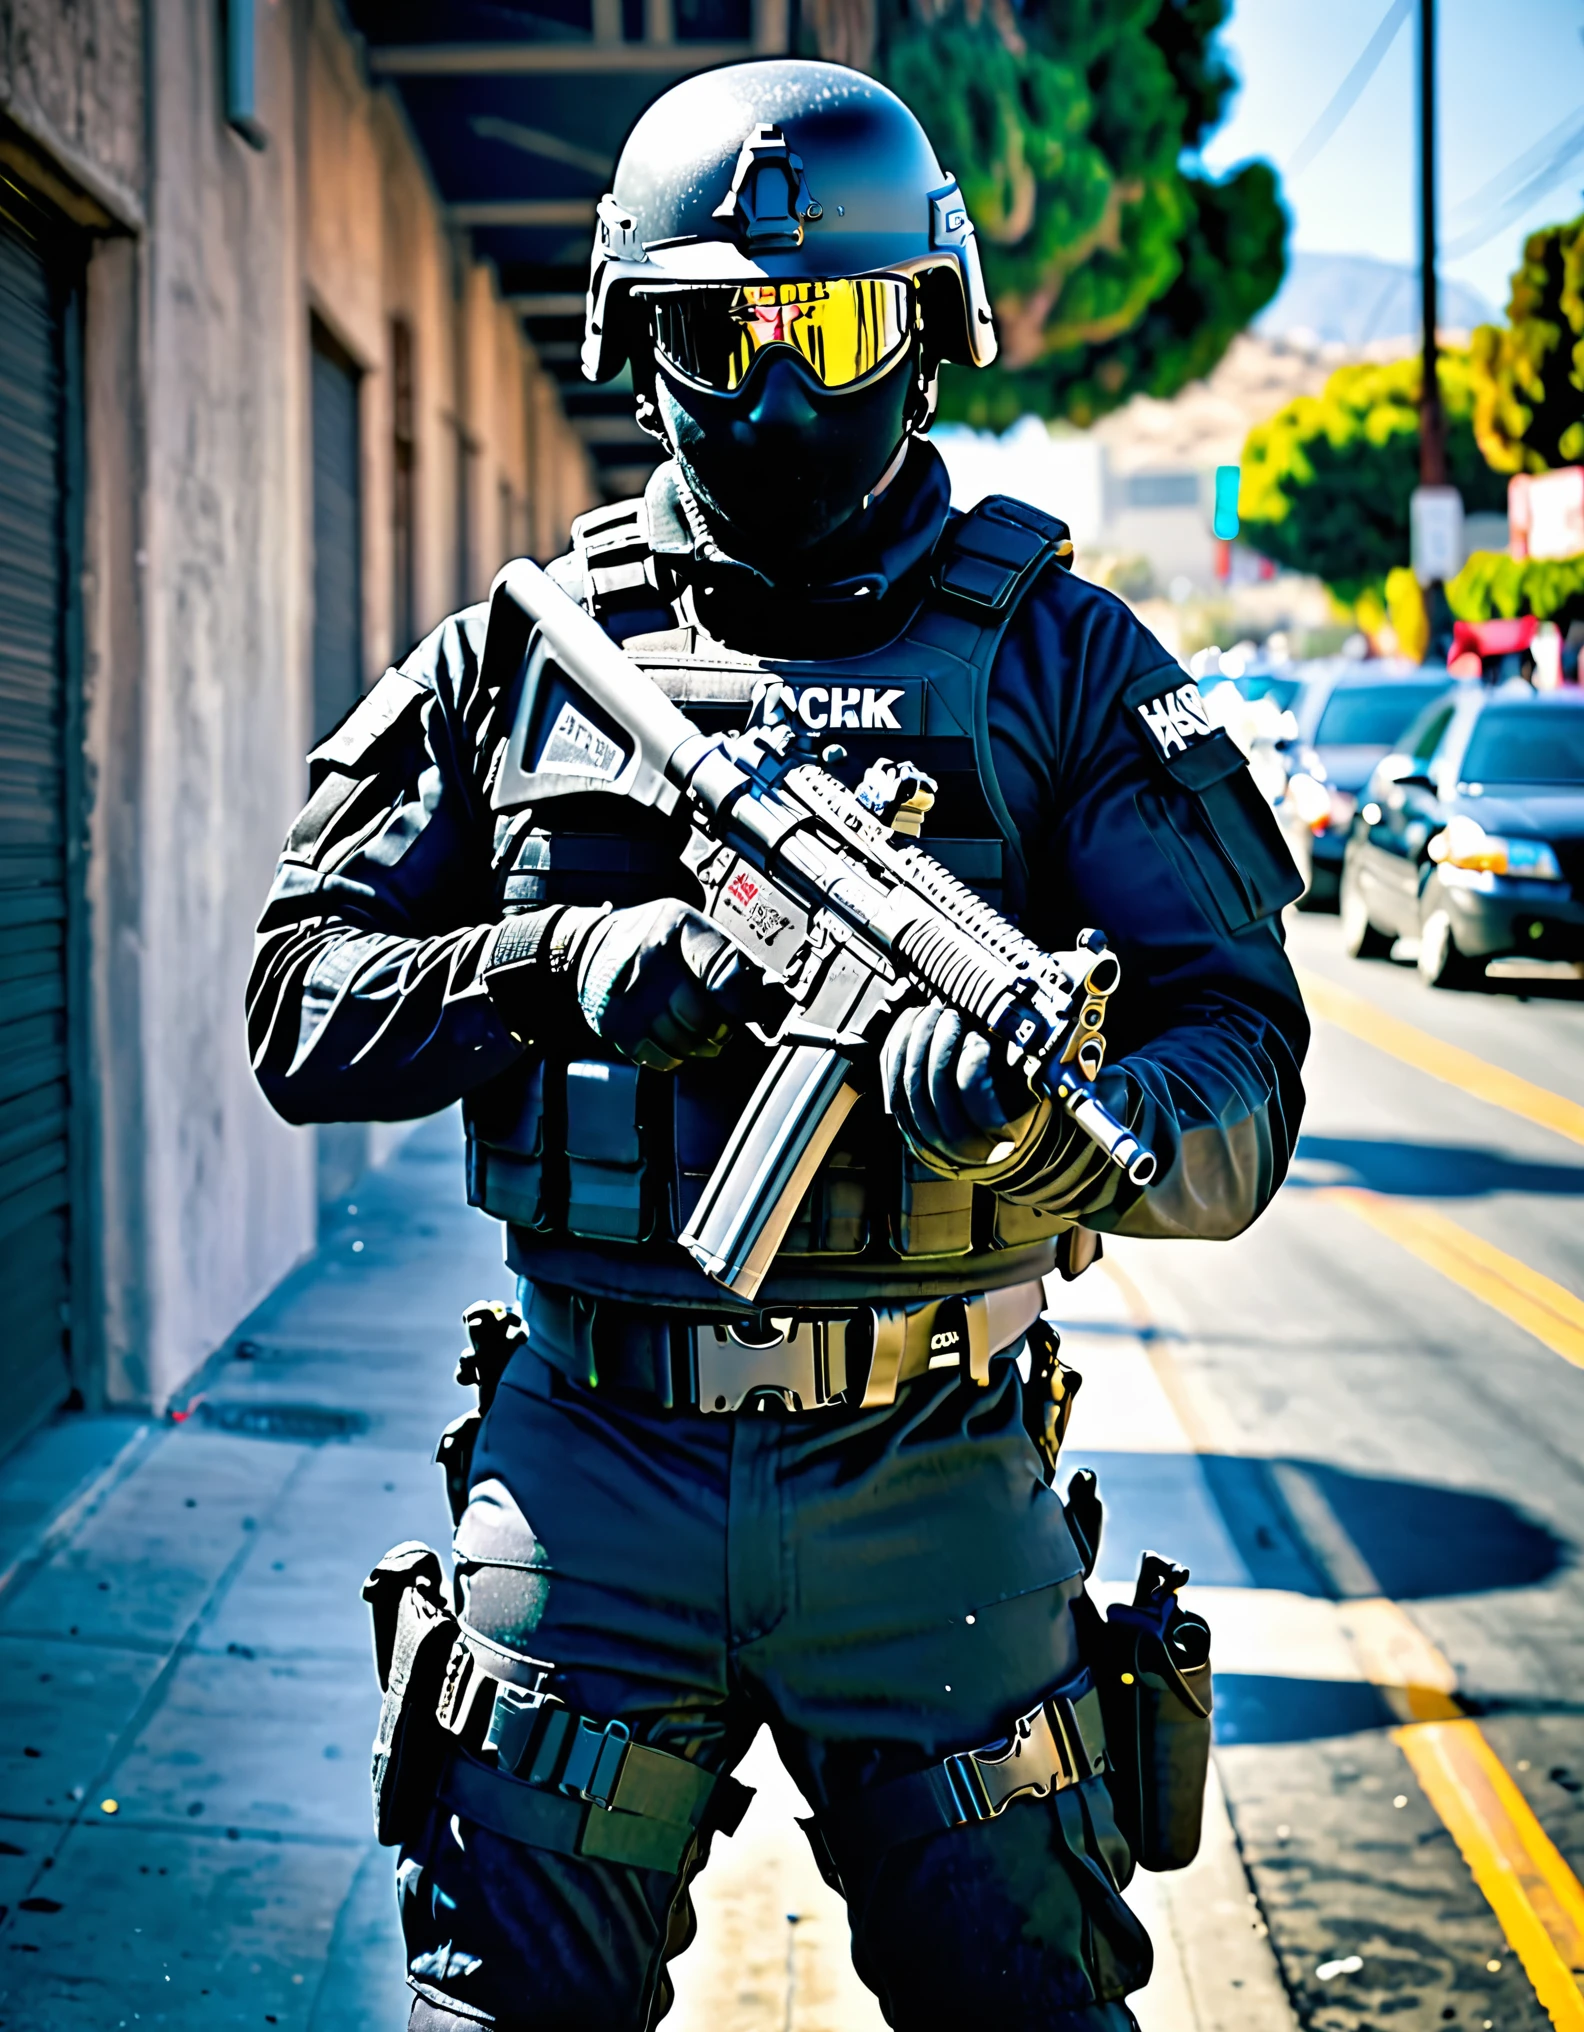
(1449, 1062)
(1541, 1307)
(1535, 1896)
(1537, 1900)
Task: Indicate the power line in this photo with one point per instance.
(1538, 170)
(1520, 169)
(1346, 95)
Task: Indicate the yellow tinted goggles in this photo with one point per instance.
(842, 330)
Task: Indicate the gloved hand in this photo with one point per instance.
(963, 1109)
(660, 982)
(657, 980)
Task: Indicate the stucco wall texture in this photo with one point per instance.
(197, 600)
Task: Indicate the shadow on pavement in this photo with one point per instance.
(1426, 1170)
(1421, 1539)
(1232, 1520)
(1259, 1707)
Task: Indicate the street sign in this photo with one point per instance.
(1435, 526)
(1225, 525)
(1545, 512)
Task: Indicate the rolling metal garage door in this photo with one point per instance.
(338, 632)
(338, 542)
(35, 1175)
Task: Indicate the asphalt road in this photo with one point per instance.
(1362, 1426)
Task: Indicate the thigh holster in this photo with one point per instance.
(1154, 1678)
(578, 1787)
(1151, 1662)
(469, 1726)
(414, 1636)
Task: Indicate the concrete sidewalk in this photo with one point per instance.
(184, 1660)
(189, 1698)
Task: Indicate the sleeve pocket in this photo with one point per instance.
(1222, 835)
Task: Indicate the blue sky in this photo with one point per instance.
(1510, 70)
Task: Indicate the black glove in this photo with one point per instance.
(657, 981)
(963, 1109)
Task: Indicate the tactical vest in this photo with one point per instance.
(595, 1164)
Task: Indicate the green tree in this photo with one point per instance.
(1328, 479)
(1493, 586)
(1529, 373)
(1115, 266)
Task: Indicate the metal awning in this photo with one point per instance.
(520, 112)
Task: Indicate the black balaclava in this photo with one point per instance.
(782, 462)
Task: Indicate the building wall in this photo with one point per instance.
(72, 78)
(198, 587)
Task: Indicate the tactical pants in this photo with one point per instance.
(882, 1588)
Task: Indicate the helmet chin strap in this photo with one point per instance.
(889, 474)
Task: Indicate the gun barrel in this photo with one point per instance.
(1096, 1120)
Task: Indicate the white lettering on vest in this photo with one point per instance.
(821, 706)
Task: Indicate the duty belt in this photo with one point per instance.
(860, 1359)
(805, 1359)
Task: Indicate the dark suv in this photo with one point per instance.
(1349, 715)
(1470, 836)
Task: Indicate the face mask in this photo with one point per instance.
(782, 461)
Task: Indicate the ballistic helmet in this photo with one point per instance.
(760, 177)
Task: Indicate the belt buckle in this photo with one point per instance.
(1045, 1754)
(594, 1761)
(805, 1366)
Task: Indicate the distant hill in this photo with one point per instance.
(1355, 300)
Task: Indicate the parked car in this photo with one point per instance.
(1470, 836)
(1349, 715)
(1280, 685)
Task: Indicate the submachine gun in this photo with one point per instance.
(824, 888)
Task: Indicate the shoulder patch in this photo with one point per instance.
(1168, 706)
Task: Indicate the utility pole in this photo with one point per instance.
(1436, 510)
(1432, 434)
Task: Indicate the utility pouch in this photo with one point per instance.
(414, 1632)
(1156, 1697)
(604, 1151)
(1048, 1396)
(506, 1146)
(934, 1214)
(1226, 839)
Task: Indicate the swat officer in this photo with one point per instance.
(685, 1516)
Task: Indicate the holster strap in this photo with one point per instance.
(615, 1800)
(1058, 1743)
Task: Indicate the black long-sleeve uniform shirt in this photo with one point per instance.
(368, 999)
